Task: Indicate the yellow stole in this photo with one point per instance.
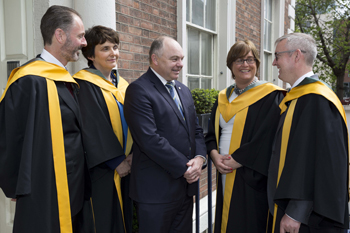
(318, 88)
(52, 73)
(239, 108)
(110, 92)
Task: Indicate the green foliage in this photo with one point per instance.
(328, 21)
(204, 99)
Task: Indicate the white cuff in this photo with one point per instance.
(205, 159)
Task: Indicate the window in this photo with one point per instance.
(272, 27)
(347, 89)
(201, 30)
(268, 58)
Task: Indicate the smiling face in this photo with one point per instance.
(75, 40)
(244, 73)
(170, 62)
(106, 57)
(284, 63)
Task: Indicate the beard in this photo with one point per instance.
(69, 51)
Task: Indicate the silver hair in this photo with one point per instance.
(303, 42)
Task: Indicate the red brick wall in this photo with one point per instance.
(138, 24)
(248, 21)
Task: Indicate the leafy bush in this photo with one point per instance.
(204, 99)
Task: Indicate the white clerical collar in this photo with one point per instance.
(161, 78)
(309, 74)
(50, 58)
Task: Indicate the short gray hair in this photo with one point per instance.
(303, 42)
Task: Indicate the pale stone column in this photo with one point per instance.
(94, 13)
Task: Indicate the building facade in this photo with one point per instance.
(206, 29)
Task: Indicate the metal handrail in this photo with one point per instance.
(210, 212)
(210, 222)
(197, 208)
(209, 182)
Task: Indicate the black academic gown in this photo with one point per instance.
(26, 158)
(248, 211)
(102, 145)
(316, 164)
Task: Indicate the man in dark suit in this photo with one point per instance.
(169, 147)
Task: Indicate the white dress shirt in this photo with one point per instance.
(299, 80)
(225, 137)
(165, 82)
(50, 58)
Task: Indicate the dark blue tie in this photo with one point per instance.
(170, 86)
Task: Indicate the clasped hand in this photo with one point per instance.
(194, 170)
(224, 163)
(124, 168)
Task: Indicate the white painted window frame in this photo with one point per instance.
(223, 40)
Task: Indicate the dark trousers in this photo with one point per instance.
(166, 217)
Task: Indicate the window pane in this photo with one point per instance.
(206, 56)
(267, 35)
(188, 10)
(347, 89)
(197, 12)
(210, 10)
(267, 67)
(193, 83)
(193, 51)
(206, 83)
(268, 10)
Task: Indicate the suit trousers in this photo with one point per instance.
(173, 217)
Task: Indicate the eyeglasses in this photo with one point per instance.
(288, 51)
(249, 61)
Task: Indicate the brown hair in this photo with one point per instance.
(98, 35)
(56, 17)
(239, 50)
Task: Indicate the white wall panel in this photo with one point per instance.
(15, 29)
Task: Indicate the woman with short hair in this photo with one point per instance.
(239, 141)
(106, 137)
